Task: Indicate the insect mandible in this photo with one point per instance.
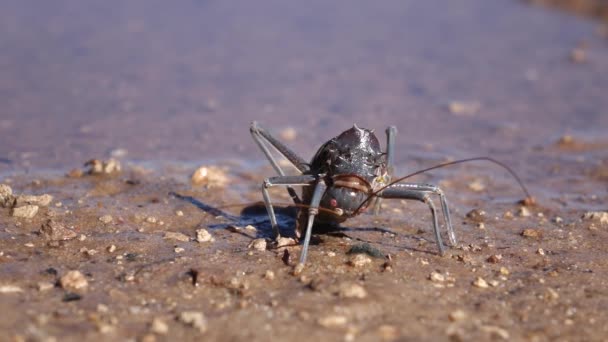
(348, 174)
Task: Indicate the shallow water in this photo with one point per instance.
(167, 87)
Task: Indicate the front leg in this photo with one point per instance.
(422, 192)
(287, 181)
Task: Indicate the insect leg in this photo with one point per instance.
(313, 210)
(426, 188)
(391, 132)
(399, 191)
(285, 181)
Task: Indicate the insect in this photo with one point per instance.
(347, 175)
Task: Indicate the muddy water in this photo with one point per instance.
(165, 88)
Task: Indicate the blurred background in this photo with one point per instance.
(182, 80)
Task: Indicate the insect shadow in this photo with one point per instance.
(255, 214)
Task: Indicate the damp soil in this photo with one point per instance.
(166, 88)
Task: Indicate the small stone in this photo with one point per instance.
(158, 326)
(54, 231)
(258, 244)
(195, 319)
(27, 211)
(600, 216)
(359, 260)
(42, 200)
(10, 289)
(6, 195)
(477, 185)
(107, 219)
(496, 331)
(45, 286)
(481, 226)
(179, 213)
(151, 219)
(457, 315)
(29, 245)
(523, 212)
(493, 283)
(176, 236)
(202, 235)
(504, 271)
(551, 294)
(251, 228)
(351, 290)
(476, 215)
(540, 251)
(480, 282)
(178, 249)
(288, 134)
(269, 275)
(532, 233)
(463, 108)
(73, 280)
(111, 249)
(436, 277)
(97, 167)
(211, 176)
(285, 241)
(494, 259)
(331, 321)
(508, 215)
(558, 220)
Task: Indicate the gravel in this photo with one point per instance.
(195, 319)
(54, 231)
(27, 211)
(73, 280)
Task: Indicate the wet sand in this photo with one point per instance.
(165, 89)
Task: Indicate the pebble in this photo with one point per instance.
(195, 319)
(551, 294)
(504, 271)
(436, 277)
(42, 200)
(477, 215)
(464, 108)
(332, 321)
(258, 244)
(285, 241)
(107, 219)
(73, 280)
(457, 315)
(359, 260)
(269, 274)
(202, 235)
(6, 195)
(494, 258)
(158, 326)
(151, 219)
(601, 216)
(532, 233)
(540, 251)
(178, 249)
(251, 228)
(27, 211)
(179, 213)
(176, 236)
(211, 176)
(480, 282)
(523, 212)
(55, 231)
(97, 167)
(288, 134)
(558, 220)
(112, 248)
(352, 290)
(10, 289)
(496, 331)
(476, 185)
(45, 285)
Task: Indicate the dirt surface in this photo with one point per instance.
(165, 88)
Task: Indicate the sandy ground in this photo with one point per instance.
(165, 89)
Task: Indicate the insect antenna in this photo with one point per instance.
(527, 199)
